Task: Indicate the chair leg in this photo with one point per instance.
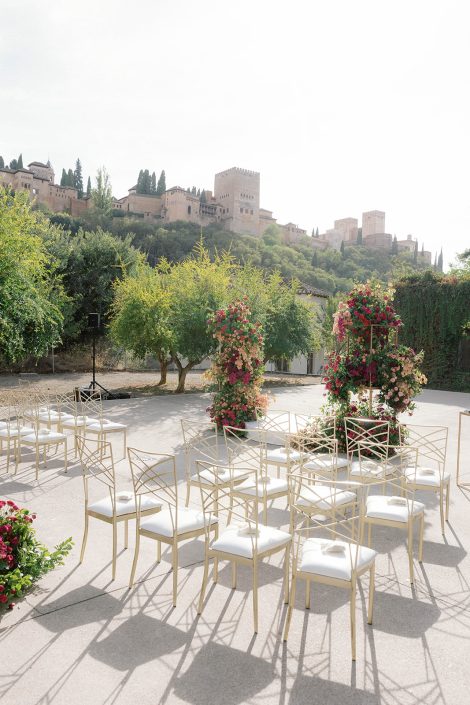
(255, 596)
(159, 551)
(369, 534)
(286, 576)
(307, 594)
(114, 549)
(353, 619)
(215, 572)
(175, 571)
(291, 606)
(37, 462)
(265, 510)
(410, 550)
(65, 455)
(421, 537)
(125, 442)
(370, 610)
(136, 555)
(85, 537)
(188, 491)
(204, 582)
(126, 534)
(441, 510)
(234, 575)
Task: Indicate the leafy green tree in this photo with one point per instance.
(78, 178)
(315, 259)
(20, 161)
(102, 195)
(140, 313)
(30, 293)
(198, 286)
(88, 187)
(161, 186)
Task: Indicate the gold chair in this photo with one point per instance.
(40, 439)
(398, 511)
(95, 424)
(98, 467)
(248, 458)
(367, 433)
(11, 428)
(245, 543)
(154, 474)
(429, 474)
(320, 448)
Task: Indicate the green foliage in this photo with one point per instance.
(88, 187)
(434, 309)
(78, 178)
(161, 186)
(31, 296)
(20, 161)
(102, 195)
(23, 559)
(2, 162)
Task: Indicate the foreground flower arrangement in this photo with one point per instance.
(368, 358)
(237, 367)
(23, 559)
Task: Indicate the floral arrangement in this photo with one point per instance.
(23, 559)
(360, 409)
(367, 305)
(401, 378)
(237, 367)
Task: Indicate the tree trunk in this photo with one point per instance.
(163, 369)
(182, 372)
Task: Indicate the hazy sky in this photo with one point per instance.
(342, 105)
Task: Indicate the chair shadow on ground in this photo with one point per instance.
(317, 691)
(443, 554)
(403, 616)
(244, 676)
(67, 612)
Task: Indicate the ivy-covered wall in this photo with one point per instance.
(434, 309)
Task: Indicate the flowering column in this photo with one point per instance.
(237, 368)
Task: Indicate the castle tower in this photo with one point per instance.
(373, 222)
(237, 192)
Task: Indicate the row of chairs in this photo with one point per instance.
(45, 423)
(234, 481)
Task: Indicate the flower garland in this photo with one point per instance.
(23, 560)
(367, 305)
(237, 367)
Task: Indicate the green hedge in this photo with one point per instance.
(434, 308)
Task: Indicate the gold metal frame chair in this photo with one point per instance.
(366, 433)
(98, 465)
(154, 474)
(92, 410)
(429, 474)
(334, 557)
(40, 438)
(244, 543)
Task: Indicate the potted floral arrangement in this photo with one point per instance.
(23, 559)
(237, 367)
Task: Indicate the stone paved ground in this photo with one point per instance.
(81, 638)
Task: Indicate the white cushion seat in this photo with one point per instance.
(371, 468)
(428, 477)
(3, 424)
(221, 475)
(123, 506)
(266, 487)
(187, 520)
(280, 455)
(326, 462)
(392, 508)
(79, 421)
(105, 425)
(334, 559)
(43, 436)
(239, 541)
(324, 497)
(15, 431)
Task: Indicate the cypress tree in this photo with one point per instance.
(161, 186)
(198, 194)
(341, 249)
(193, 191)
(146, 181)
(440, 262)
(2, 163)
(153, 183)
(63, 178)
(13, 164)
(203, 198)
(20, 161)
(139, 181)
(88, 187)
(394, 245)
(415, 253)
(78, 178)
(70, 179)
(359, 236)
(315, 259)
(317, 234)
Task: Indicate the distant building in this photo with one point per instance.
(348, 228)
(373, 222)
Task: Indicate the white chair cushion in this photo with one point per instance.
(324, 497)
(127, 506)
(319, 557)
(219, 475)
(392, 508)
(429, 477)
(271, 486)
(105, 425)
(44, 436)
(280, 455)
(240, 542)
(326, 462)
(371, 468)
(80, 421)
(3, 424)
(188, 520)
(14, 432)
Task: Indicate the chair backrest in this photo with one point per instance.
(201, 442)
(96, 458)
(66, 403)
(374, 432)
(155, 474)
(246, 449)
(393, 460)
(92, 404)
(430, 442)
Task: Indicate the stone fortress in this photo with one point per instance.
(234, 203)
